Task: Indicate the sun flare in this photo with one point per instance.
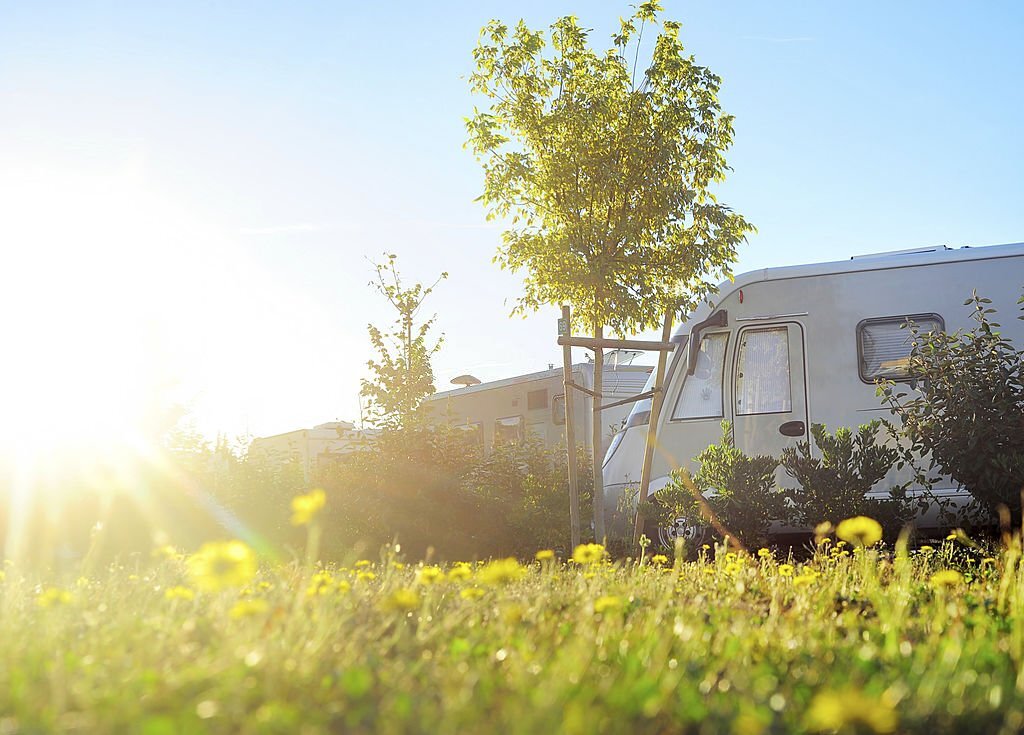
(84, 294)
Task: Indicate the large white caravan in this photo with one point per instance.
(533, 405)
(782, 348)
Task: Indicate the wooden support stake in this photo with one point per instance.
(592, 343)
(570, 430)
(652, 427)
(597, 435)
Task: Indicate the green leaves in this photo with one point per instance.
(969, 415)
(605, 185)
(402, 374)
(834, 485)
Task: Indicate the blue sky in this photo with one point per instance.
(218, 174)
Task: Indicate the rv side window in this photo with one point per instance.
(701, 396)
(476, 429)
(884, 345)
(508, 430)
(537, 399)
(558, 410)
(762, 372)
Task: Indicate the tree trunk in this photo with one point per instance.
(597, 436)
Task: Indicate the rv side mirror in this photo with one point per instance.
(718, 319)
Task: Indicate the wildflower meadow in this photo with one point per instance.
(847, 637)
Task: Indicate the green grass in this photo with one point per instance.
(729, 645)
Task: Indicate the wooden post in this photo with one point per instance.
(652, 426)
(565, 327)
(597, 435)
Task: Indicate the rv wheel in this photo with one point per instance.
(691, 533)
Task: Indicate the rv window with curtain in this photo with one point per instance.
(476, 429)
(884, 345)
(762, 372)
(508, 430)
(701, 396)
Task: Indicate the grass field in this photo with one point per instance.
(869, 641)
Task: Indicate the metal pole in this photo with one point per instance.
(570, 430)
(652, 426)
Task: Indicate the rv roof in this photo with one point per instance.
(535, 376)
(878, 261)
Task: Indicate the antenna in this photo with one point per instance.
(465, 380)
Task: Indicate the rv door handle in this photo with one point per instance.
(792, 428)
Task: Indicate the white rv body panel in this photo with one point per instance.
(532, 405)
(819, 314)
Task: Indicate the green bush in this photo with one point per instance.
(740, 491)
(433, 488)
(834, 484)
(969, 414)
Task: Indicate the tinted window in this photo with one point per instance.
(884, 345)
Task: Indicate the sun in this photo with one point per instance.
(86, 264)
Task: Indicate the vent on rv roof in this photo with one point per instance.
(909, 251)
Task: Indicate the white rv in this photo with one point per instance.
(533, 405)
(783, 348)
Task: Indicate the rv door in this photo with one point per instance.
(769, 393)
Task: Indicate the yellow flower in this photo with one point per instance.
(764, 553)
(946, 578)
(166, 552)
(179, 593)
(608, 602)
(831, 712)
(365, 576)
(53, 597)
(588, 553)
(804, 578)
(343, 586)
(363, 563)
(544, 555)
(247, 608)
(501, 571)
(401, 600)
(305, 507)
(471, 593)
(785, 570)
(659, 559)
(222, 564)
(926, 549)
(398, 565)
(320, 584)
(429, 575)
(860, 530)
(460, 572)
(821, 532)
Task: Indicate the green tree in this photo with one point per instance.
(402, 374)
(968, 416)
(605, 180)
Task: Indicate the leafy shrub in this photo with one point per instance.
(433, 488)
(969, 415)
(835, 484)
(740, 491)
